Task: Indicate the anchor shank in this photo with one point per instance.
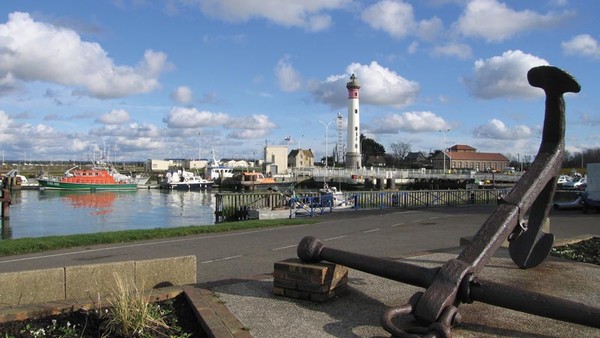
(514, 298)
(311, 249)
(386, 268)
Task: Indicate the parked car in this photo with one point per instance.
(576, 204)
(574, 184)
(562, 179)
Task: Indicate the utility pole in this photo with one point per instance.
(326, 127)
(444, 149)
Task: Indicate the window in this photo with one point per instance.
(355, 111)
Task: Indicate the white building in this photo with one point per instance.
(276, 159)
(157, 165)
(195, 164)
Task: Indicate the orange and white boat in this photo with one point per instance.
(251, 180)
(96, 178)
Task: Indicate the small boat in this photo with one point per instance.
(184, 180)
(257, 181)
(13, 179)
(96, 178)
(331, 197)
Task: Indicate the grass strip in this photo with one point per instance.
(31, 245)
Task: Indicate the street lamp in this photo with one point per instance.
(326, 125)
(444, 149)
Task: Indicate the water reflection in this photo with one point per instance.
(100, 203)
(50, 213)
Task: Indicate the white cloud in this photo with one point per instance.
(412, 122)
(290, 13)
(251, 122)
(115, 117)
(379, 86)
(288, 78)
(252, 127)
(496, 129)
(504, 76)
(5, 120)
(495, 21)
(180, 117)
(188, 119)
(458, 50)
(182, 95)
(138, 144)
(397, 19)
(35, 51)
(132, 130)
(393, 17)
(583, 44)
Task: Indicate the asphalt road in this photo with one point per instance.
(391, 233)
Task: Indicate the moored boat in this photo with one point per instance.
(251, 180)
(96, 178)
(218, 173)
(331, 197)
(184, 180)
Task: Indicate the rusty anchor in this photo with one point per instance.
(435, 310)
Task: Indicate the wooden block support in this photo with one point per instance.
(310, 281)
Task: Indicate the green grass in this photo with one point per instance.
(30, 245)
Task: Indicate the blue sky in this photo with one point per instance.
(158, 79)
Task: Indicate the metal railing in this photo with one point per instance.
(235, 206)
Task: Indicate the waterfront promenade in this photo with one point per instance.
(387, 233)
(237, 267)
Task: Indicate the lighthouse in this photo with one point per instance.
(353, 158)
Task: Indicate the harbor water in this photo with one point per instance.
(36, 213)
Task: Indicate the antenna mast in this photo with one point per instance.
(340, 142)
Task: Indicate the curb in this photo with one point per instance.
(212, 314)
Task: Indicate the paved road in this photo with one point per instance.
(389, 233)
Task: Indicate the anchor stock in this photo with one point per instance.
(455, 282)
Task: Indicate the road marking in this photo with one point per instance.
(221, 259)
(417, 221)
(149, 244)
(285, 247)
(371, 230)
(436, 217)
(397, 224)
(334, 238)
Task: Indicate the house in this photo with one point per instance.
(375, 161)
(416, 160)
(301, 158)
(466, 157)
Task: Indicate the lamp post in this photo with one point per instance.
(326, 125)
(444, 149)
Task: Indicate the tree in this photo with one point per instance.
(399, 150)
(370, 148)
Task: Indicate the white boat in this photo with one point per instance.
(331, 197)
(184, 180)
(217, 172)
(19, 180)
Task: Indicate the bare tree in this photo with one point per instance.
(400, 150)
